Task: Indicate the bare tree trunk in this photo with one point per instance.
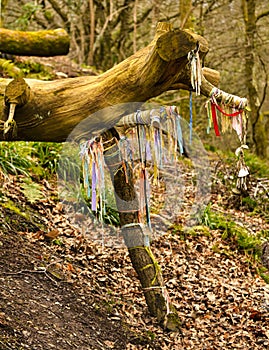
(3, 4)
(185, 10)
(135, 26)
(92, 30)
(257, 132)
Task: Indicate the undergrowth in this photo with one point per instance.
(14, 158)
(24, 69)
(32, 161)
(29, 158)
(238, 237)
(256, 199)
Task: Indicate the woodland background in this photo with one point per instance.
(103, 33)
(216, 273)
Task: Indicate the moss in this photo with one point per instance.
(199, 230)
(264, 273)
(9, 204)
(172, 321)
(40, 43)
(210, 148)
(220, 250)
(35, 70)
(258, 167)
(20, 217)
(249, 203)
(9, 69)
(58, 242)
(237, 238)
(151, 335)
(31, 190)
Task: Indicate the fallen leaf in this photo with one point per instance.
(52, 234)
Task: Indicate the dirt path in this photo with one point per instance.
(39, 312)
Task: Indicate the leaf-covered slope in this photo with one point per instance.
(60, 289)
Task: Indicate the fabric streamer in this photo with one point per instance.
(243, 170)
(158, 138)
(94, 179)
(196, 71)
(144, 185)
(236, 118)
(209, 116)
(85, 167)
(91, 153)
(214, 119)
(179, 134)
(190, 123)
(177, 131)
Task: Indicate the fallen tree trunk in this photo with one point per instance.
(54, 108)
(43, 43)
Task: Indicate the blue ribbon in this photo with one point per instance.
(190, 124)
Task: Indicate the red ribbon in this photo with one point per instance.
(214, 118)
(227, 114)
(214, 115)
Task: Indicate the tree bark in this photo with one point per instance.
(43, 43)
(54, 108)
(136, 236)
(257, 133)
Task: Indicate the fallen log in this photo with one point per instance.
(54, 108)
(42, 43)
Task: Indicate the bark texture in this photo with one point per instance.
(43, 43)
(136, 236)
(54, 108)
(257, 131)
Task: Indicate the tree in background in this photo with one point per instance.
(254, 66)
(239, 41)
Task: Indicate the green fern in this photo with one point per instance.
(32, 190)
(10, 68)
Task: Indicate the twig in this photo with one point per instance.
(40, 269)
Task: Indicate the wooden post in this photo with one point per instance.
(142, 258)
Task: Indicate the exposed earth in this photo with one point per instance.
(60, 289)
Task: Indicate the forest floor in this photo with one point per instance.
(62, 290)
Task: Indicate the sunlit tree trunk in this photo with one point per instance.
(185, 11)
(41, 43)
(3, 4)
(92, 30)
